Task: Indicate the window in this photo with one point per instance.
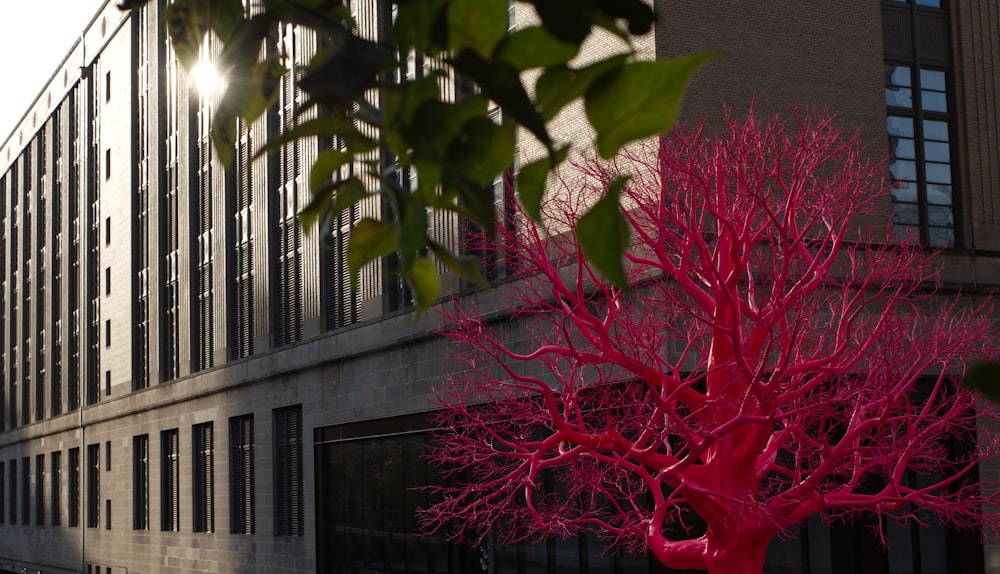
(107, 164)
(241, 484)
(107, 456)
(26, 490)
(107, 231)
(920, 122)
(107, 384)
(107, 280)
(55, 479)
(74, 487)
(288, 471)
(12, 494)
(107, 333)
(93, 485)
(107, 83)
(40, 489)
(140, 482)
(202, 479)
(169, 485)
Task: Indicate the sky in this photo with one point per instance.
(35, 36)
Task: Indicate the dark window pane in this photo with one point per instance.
(900, 547)
(907, 213)
(941, 236)
(903, 191)
(934, 3)
(784, 556)
(933, 130)
(934, 101)
(819, 545)
(905, 234)
(939, 194)
(899, 97)
(567, 554)
(898, 76)
(903, 127)
(939, 216)
(938, 172)
(932, 80)
(936, 151)
(536, 558)
(903, 170)
(902, 148)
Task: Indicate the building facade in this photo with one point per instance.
(189, 382)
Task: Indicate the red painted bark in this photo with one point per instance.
(775, 353)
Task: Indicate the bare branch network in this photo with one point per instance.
(778, 357)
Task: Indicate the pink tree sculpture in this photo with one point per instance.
(778, 356)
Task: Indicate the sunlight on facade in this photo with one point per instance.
(206, 78)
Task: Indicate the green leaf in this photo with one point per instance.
(435, 124)
(476, 24)
(347, 193)
(340, 74)
(424, 281)
(568, 20)
(187, 24)
(467, 267)
(370, 239)
(531, 182)
(639, 100)
(483, 149)
(534, 47)
(604, 235)
(333, 125)
(502, 83)
(559, 86)
(330, 16)
(412, 228)
(247, 96)
(131, 4)
(242, 48)
(341, 194)
(984, 378)
(189, 20)
(327, 162)
(637, 13)
(416, 23)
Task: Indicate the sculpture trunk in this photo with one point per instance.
(737, 552)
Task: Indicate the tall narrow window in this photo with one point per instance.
(145, 171)
(55, 479)
(56, 315)
(241, 483)
(74, 487)
(93, 485)
(288, 233)
(288, 471)
(12, 494)
(203, 478)
(242, 298)
(39, 489)
(920, 121)
(140, 482)
(170, 210)
(26, 490)
(169, 481)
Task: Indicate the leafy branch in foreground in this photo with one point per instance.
(456, 147)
